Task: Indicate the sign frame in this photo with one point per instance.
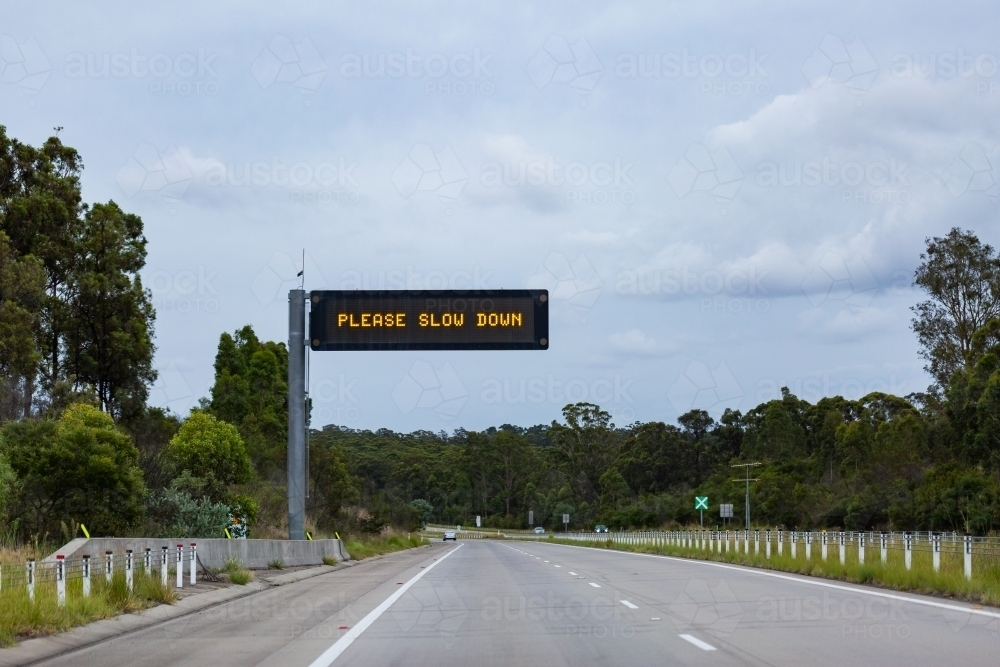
(319, 300)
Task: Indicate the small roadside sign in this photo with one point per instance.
(478, 521)
(565, 518)
(701, 502)
(531, 517)
(726, 511)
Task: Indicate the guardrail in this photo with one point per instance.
(846, 546)
(60, 571)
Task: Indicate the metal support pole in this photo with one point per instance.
(296, 414)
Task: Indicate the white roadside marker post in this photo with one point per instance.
(108, 566)
(809, 545)
(148, 562)
(180, 566)
(842, 536)
(194, 563)
(795, 543)
(31, 579)
(908, 546)
(781, 543)
(163, 567)
(936, 546)
(746, 542)
(861, 548)
(756, 542)
(767, 544)
(884, 548)
(61, 580)
(86, 576)
(824, 549)
(128, 569)
(968, 557)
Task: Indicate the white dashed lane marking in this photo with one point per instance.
(704, 646)
(629, 604)
(595, 585)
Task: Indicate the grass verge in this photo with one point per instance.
(20, 618)
(984, 588)
(364, 546)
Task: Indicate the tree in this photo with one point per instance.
(109, 337)
(251, 392)
(586, 447)
(962, 277)
(211, 450)
(511, 463)
(80, 468)
(22, 291)
(40, 209)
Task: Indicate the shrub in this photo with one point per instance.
(80, 468)
(210, 449)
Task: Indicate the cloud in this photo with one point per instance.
(635, 343)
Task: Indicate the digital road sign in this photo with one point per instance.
(429, 320)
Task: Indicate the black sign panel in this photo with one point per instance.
(429, 320)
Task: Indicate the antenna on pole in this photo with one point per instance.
(302, 274)
(747, 479)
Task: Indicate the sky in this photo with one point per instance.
(723, 199)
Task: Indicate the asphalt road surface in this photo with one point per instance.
(483, 603)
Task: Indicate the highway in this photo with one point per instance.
(485, 603)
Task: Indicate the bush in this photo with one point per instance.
(184, 516)
(210, 449)
(80, 468)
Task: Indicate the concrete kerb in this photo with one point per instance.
(212, 552)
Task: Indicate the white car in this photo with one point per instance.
(450, 535)
(539, 531)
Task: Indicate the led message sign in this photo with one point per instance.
(429, 320)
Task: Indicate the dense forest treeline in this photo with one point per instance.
(79, 444)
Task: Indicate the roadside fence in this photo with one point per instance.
(76, 574)
(948, 551)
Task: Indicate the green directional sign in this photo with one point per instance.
(701, 502)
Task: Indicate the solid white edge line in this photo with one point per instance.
(800, 580)
(329, 655)
(628, 604)
(704, 646)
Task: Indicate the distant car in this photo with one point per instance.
(450, 535)
(539, 531)
(600, 528)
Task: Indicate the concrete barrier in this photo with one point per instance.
(254, 554)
